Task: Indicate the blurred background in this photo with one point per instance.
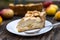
(4, 3)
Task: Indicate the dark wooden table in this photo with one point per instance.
(54, 34)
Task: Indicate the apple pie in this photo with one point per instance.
(31, 20)
(21, 9)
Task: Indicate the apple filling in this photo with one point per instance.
(32, 20)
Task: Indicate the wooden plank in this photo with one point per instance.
(54, 34)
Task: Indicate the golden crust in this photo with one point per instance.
(31, 22)
(21, 9)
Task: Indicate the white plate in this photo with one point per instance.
(11, 27)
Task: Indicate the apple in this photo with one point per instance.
(7, 13)
(55, 6)
(57, 15)
(50, 11)
(47, 4)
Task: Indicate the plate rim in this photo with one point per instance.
(29, 34)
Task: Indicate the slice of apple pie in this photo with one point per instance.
(31, 20)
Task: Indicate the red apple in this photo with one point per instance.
(46, 4)
(7, 13)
